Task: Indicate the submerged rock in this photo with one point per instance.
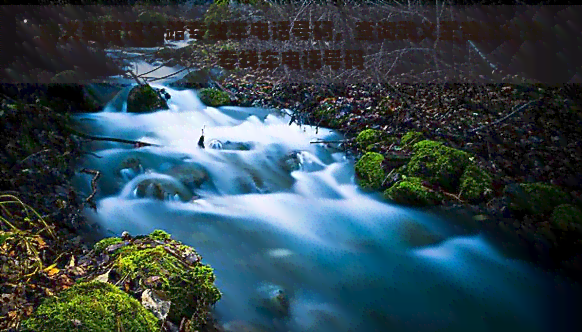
(291, 162)
(143, 99)
(190, 174)
(228, 145)
(159, 189)
(91, 306)
(274, 299)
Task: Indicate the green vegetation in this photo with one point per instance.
(100, 246)
(411, 191)
(475, 184)
(565, 216)
(438, 164)
(369, 171)
(535, 198)
(214, 97)
(186, 282)
(143, 99)
(411, 137)
(368, 137)
(92, 307)
(160, 235)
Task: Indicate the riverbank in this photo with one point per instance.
(49, 248)
(513, 143)
(351, 110)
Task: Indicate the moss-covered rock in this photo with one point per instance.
(476, 184)
(92, 307)
(143, 99)
(437, 163)
(368, 137)
(214, 97)
(411, 191)
(100, 246)
(411, 137)
(369, 171)
(566, 216)
(179, 275)
(535, 198)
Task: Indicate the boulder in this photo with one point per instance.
(160, 189)
(190, 174)
(367, 138)
(167, 275)
(214, 97)
(437, 163)
(369, 171)
(534, 198)
(143, 99)
(411, 191)
(567, 216)
(91, 306)
(476, 184)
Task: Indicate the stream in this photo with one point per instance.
(270, 212)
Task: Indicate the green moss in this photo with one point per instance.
(143, 98)
(535, 198)
(92, 307)
(411, 137)
(213, 97)
(369, 171)
(100, 246)
(475, 184)
(438, 163)
(160, 235)
(368, 137)
(411, 192)
(190, 287)
(565, 216)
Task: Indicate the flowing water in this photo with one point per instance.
(270, 211)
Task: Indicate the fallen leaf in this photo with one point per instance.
(104, 277)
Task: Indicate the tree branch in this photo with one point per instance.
(109, 139)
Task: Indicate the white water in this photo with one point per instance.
(347, 260)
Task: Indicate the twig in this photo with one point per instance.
(109, 139)
(92, 154)
(32, 155)
(153, 79)
(96, 175)
(151, 71)
(386, 178)
(453, 196)
(341, 141)
(521, 108)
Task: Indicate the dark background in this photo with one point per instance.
(554, 59)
